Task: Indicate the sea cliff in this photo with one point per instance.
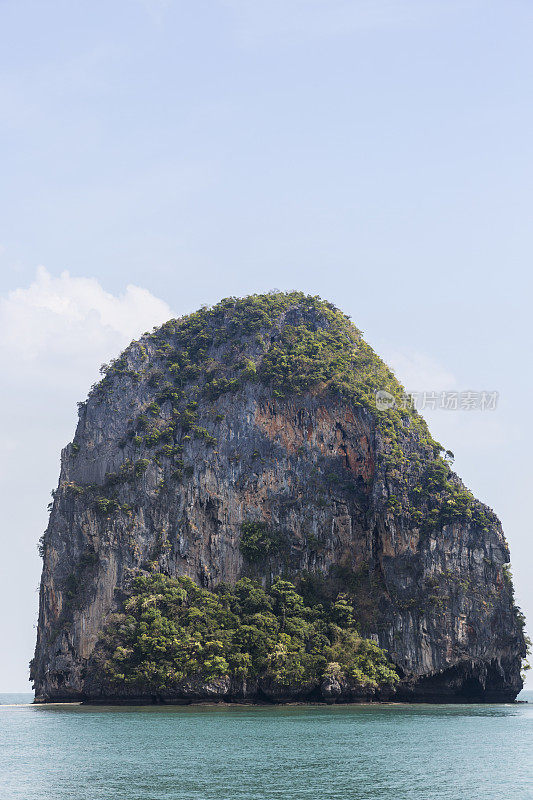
(240, 449)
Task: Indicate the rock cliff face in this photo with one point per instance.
(263, 410)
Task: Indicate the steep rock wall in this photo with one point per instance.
(314, 465)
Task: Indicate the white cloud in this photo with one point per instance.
(54, 335)
(70, 325)
(419, 372)
(467, 433)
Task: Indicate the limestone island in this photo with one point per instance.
(237, 519)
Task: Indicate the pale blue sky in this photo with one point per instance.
(378, 153)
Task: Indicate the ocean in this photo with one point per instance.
(308, 752)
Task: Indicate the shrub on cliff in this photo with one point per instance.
(171, 630)
(258, 541)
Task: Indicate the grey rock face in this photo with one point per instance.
(309, 465)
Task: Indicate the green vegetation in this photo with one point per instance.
(291, 343)
(362, 588)
(259, 541)
(517, 611)
(519, 617)
(314, 346)
(172, 629)
(446, 501)
(104, 497)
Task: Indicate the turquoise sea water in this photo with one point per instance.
(371, 752)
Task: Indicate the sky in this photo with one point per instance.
(156, 155)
